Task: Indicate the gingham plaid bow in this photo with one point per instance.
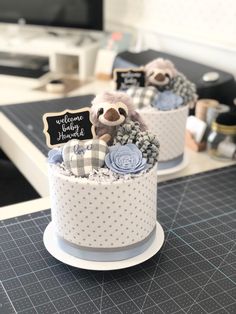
(142, 96)
(82, 157)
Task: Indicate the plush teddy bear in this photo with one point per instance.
(111, 109)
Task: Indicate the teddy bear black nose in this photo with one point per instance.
(160, 77)
(112, 115)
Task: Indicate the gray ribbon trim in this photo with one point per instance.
(106, 254)
(162, 165)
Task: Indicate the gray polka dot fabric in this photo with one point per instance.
(169, 126)
(107, 215)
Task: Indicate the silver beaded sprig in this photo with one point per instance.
(147, 142)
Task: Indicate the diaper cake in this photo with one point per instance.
(164, 104)
(104, 190)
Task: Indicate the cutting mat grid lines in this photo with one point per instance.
(195, 272)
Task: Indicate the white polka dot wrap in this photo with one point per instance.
(169, 127)
(103, 215)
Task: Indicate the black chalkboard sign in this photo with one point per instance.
(60, 127)
(125, 78)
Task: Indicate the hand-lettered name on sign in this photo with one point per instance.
(60, 127)
(125, 78)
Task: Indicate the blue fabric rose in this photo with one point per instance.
(167, 100)
(125, 159)
(55, 156)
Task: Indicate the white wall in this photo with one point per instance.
(201, 30)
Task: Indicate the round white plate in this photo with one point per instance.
(51, 243)
(175, 169)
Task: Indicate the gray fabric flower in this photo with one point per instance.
(168, 100)
(125, 159)
(147, 142)
(127, 132)
(149, 146)
(186, 89)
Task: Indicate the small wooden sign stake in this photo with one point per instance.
(60, 127)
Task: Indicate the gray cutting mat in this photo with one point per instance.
(195, 271)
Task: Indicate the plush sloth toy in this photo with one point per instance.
(111, 109)
(163, 75)
(160, 73)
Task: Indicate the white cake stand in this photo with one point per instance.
(51, 243)
(179, 167)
